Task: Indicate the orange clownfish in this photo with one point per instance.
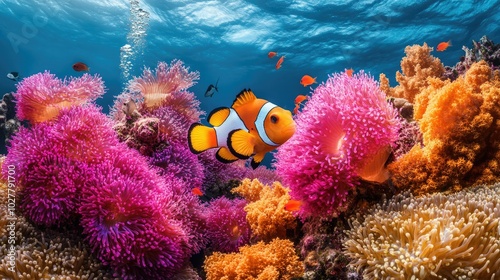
(293, 205)
(197, 191)
(272, 54)
(80, 66)
(250, 128)
(443, 46)
(349, 72)
(307, 80)
(280, 61)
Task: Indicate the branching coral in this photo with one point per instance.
(460, 122)
(345, 131)
(416, 67)
(42, 96)
(431, 237)
(273, 261)
(266, 209)
(227, 227)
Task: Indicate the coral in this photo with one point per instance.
(276, 260)
(265, 175)
(344, 132)
(176, 159)
(460, 124)
(416, 67)
(432, 237)
(156, 88)
(409, 136)
(227, 227)
(485, 50)
(266, 212)
(9, 124)
(42, 96)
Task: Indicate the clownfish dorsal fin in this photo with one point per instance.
(244, 97)
(218, 116)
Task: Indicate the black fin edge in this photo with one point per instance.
(223, 160)
(213, 112)
(189, 138)
(230, 146)
(241, 92)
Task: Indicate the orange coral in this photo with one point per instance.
(276, 260)
(266, 212)
(417, 66)
(460, 123)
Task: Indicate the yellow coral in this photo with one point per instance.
(460, 123)
(273, 261)
(266, 212)
(431, 237)
(417, 66)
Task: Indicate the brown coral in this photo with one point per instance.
(416, 67)
(276, 260)
(431, 237)
(266, 212)
(460, 123)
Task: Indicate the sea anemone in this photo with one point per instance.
(431, 237)
(228, 228)
(344, 132)
(42, 96)
(156, 88)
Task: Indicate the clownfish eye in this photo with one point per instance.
(274, 119)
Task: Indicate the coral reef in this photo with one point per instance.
(432, 237)
(272, 261)
(42, 96)
(265, 175)
(9, 124)
(485, 50)
(416, 67)
(344, 132)
(265, 211)
(227, 226)
(461, 143)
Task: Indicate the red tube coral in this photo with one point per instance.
(42, 96)
(344, 131)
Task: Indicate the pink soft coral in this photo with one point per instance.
(345, 131)
(42, 96)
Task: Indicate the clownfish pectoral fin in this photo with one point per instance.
(225, 156)
(244, 97)
(218, 116)
(257, 159)
(201, 138)
(241, 143)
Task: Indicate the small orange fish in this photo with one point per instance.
(349, 72)
(293, 205)
(197, 191)
(300, 98)
(280, 61)
(307, 80)
(80, 66)
(443, 46)
(272, 54)
(296, 109)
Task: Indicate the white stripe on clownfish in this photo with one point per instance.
(259, 123)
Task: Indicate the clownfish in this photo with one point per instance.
(250, 128)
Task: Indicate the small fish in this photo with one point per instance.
(13, 76)
(197, 191)
(280, 61)
(443, 46)
(307, 80)
(235, 233)
(272, 54)
(293, 205)
(300, 98)
(296, 109)
(212, 89)
(349, 72)
(251, 127)
(80, 66)
(130, 109)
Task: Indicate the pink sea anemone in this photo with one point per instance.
(344, 132)
(228, 228)
(156, 88)
(42, 96)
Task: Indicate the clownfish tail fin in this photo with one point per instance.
(201, 138)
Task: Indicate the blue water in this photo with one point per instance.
(231, 39)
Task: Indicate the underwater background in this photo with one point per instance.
(384, 163)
